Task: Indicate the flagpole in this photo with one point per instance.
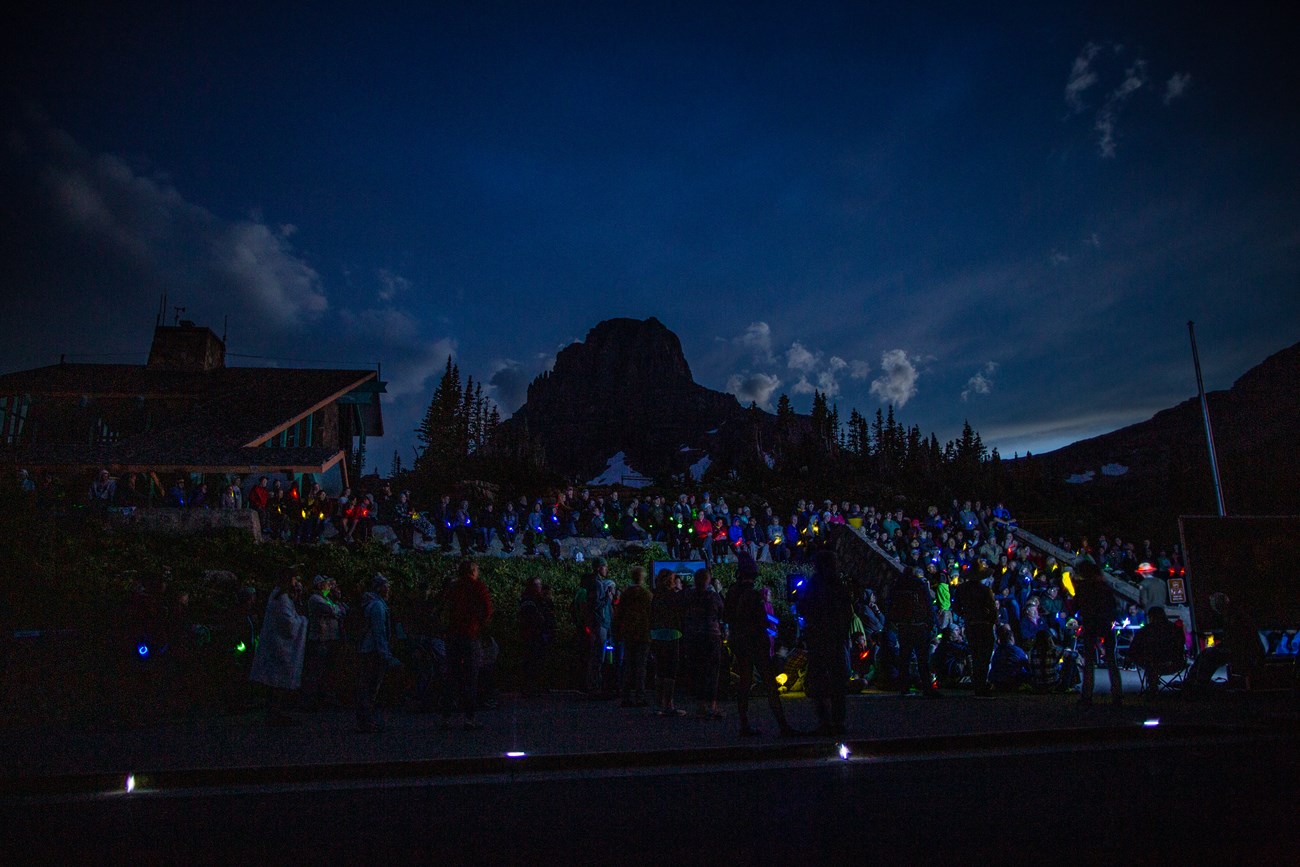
(1205, 413)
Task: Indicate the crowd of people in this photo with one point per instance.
(970, 604)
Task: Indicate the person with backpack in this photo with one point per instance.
(375, 656)
(911, 610)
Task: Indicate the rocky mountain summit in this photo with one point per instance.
(628, 388)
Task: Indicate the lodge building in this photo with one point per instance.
(184, 412)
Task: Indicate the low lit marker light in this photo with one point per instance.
(1151, 723)
(516, 755)
(130, 783)
(844, 752)
(143, 650)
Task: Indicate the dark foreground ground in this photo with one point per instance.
(1019, 778)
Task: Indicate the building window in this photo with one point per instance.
(13, 415)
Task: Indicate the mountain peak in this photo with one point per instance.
(633, 352)
(625, 388)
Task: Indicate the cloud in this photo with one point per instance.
(803, 386)
(1176, 86)
(754, 387)
(981, 382)
(897, 384)
(410, 374)
(391, 285)
(145, 222)
(798, 357)
(1081, 77)
(1058, 258)
(1135, 77)
(859, 370)
(757, 340)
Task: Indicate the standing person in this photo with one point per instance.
(973, 601)
(827, 607)
(281, 647)
(375, 656)
(702, 620)
(536, 631)
(598, 613)
(911, 611)
(469, 608)
(746, 613)
(634, 634)
(259, 496)
(666, 639)
(1096, 614)
(324, 639)
(1151, 592)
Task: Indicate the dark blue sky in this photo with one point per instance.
(1007, 217)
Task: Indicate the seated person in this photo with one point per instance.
(1050, 606)
(1009, 669)
(1032, 622)
(951, 660)
(1157, 648)
(1045, 662)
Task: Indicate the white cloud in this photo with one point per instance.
(391, 284)
(413, 371)
(981, 382)
(828, 383)
(1135, 77)
(859, 370)
(1058, 258)
(798, 357)
(754, 387)
(803, 386)
(176, 243)
(1081, 77)
(757, 339)
(1176, 86)
(897, 383)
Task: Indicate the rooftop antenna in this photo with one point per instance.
(162, 309)
(225, 326)
(176, 315)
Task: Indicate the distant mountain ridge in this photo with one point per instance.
(1166, 460)
(628, 388)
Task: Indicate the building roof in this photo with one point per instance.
(227, 413)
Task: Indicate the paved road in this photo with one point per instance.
(1155, 796)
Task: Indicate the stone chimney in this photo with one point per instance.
(186, 347)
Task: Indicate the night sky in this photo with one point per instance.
(1002, 216)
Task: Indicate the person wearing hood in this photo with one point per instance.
(375, 655)
(281, 647)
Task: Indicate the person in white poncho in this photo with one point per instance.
(281, 647)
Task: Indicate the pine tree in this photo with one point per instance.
(396, 469)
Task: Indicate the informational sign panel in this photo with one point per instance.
(1177, 591)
